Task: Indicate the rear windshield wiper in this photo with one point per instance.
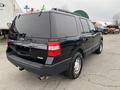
(23, 35)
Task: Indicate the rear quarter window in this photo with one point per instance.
(64, 25)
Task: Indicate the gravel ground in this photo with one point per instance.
(100, 72)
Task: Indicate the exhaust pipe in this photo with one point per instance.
(21, 69)
(43, 77)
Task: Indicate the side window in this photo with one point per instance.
(81, 28)
(65, 25)
(92, 27)
(85, 25)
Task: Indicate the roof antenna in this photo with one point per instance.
(42, 9)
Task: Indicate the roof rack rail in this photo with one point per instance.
(57, 9)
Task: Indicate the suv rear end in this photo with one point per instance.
(34, 43)
(52, 42)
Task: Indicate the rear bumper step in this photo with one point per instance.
(38, 68)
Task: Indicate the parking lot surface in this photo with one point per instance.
(100, 72)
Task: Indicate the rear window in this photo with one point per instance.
(34, 25)
(64, 25)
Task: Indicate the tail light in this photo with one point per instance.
(54, 49)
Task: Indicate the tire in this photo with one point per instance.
(99, 50)
(75, 69)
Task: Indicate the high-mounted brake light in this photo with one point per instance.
(54, 49)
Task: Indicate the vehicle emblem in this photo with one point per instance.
(40, 58)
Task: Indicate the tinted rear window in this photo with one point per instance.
(34, 25)
(64, 25)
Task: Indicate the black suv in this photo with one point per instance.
(52, 42)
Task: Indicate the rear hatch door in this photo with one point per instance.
(29, 35)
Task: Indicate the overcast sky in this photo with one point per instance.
(97, 9)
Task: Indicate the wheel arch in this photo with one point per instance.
(80, 50)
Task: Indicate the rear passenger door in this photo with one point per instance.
(87, 36)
